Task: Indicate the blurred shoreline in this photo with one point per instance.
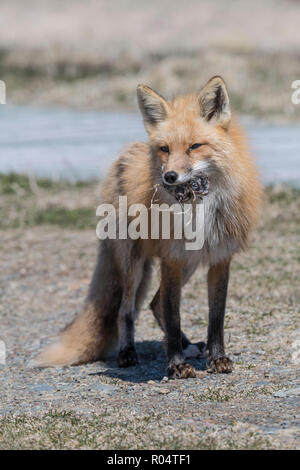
(259, 83)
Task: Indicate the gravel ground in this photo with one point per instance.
(44, 275)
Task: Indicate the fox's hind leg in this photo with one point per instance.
(135, 273)
(143, 286)
(189, 349)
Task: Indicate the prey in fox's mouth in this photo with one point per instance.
(193, 189)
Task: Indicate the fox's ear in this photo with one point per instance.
(214, 102)
(153, 107)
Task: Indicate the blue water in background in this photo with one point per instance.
(80, 145)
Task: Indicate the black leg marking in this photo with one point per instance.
(218, 276)
(170, 304)
(128, 357)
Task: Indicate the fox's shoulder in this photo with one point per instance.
(130, 175)
(138, 150)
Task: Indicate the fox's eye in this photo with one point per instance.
(164, 148)
(195, 146)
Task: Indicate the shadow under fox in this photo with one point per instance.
(191, 136)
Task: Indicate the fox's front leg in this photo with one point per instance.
(217, 280)
(127, 353)
(170, 292)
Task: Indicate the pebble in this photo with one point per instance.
(103, 388)
(164, 391)
(42, 388)
(287, 393)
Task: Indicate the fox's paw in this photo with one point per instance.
(181, 371)
(222, 365)
(128, 357)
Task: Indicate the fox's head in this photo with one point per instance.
(188, 136)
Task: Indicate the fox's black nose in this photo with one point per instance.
(170, 177)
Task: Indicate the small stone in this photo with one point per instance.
(102, 388)
(164, 391)
(261, 382)
(287, 393)
(42, 388)
(260, 352)
(201, 374)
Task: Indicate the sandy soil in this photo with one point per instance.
(45, 271)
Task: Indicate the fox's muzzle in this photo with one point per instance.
(196, 187)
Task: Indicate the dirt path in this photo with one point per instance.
(43, 280)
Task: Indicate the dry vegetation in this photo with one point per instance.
(93, 54)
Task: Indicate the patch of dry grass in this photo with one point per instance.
(27, 202)
(93, 56)
(259, 82)
(66, 430)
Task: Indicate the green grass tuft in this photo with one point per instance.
(81, 218)
(12, 182)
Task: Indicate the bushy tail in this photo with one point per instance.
(93, 333)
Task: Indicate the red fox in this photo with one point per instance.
(193, 136)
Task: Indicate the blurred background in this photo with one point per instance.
(71, 70)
